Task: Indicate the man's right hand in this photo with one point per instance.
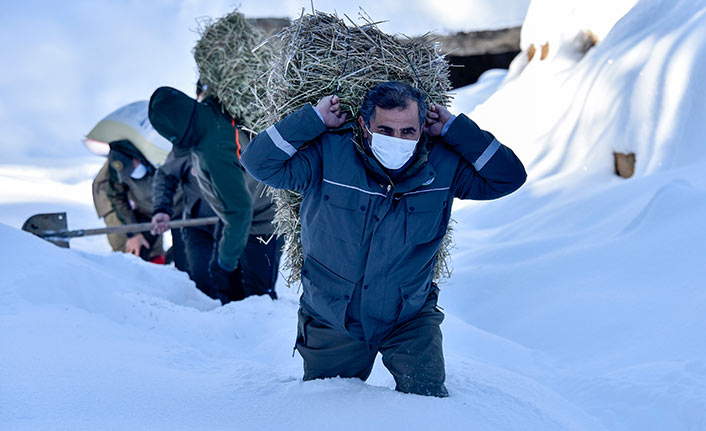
(134, 244)
(330, 110)
(159, 223)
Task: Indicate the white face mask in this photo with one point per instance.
(139, 172)
(392, 152)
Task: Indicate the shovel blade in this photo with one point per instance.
(45, 225)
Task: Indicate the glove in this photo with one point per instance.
(226, 284)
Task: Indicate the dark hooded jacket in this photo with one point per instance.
(370, 239)
(214, 142)
(130, 198)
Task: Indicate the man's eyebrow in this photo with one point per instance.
(384, 128)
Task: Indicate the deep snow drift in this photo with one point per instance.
(576, 303)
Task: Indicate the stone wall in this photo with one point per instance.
(469, 53)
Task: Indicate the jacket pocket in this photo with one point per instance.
(413, 295)
(344, 211)
(425, 216)
(326, 293)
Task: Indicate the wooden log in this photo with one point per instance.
(624, 164)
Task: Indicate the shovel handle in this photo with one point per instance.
(130, 228)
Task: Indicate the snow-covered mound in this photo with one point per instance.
(640, 90)
(602, 274)
(39, 273)
(467, 99)
(559, 21)
(116, 343)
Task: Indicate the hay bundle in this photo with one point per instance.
(320, 55)
(229, 64)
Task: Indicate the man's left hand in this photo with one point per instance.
(437, 116)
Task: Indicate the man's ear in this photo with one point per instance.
(361, 122)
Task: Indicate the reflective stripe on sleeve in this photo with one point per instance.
(283, 145)
(487, 154)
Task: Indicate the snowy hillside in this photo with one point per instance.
(577, 303)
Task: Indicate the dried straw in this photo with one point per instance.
(229, 63)
(320, 55)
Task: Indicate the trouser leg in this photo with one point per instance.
(329, 353)
(260, 265)
(179, 251)
(199, 244)
(414, 354)
(234, 289)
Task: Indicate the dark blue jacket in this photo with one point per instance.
(369, 243)
(177, 171)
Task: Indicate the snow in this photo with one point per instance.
(559, 21)
(577, 303)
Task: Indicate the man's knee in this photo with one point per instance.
(414, 354)
(426, 376)
(329, 353)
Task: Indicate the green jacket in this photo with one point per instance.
(211, 137)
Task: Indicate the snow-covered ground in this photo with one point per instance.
(577, 303)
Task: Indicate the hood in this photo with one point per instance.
(120, 158)
(129, 149)
(172, 113)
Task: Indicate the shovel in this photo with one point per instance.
(53, 227)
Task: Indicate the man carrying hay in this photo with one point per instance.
(243, 263)
(376, 202)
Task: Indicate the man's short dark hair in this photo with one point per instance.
(390, 95)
